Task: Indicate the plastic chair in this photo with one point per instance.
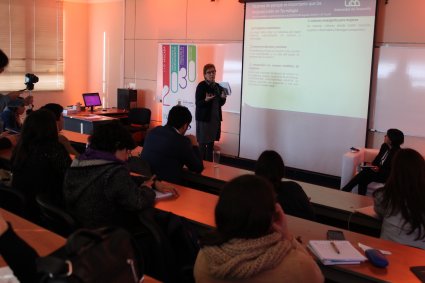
(166, 267)
(55, 218)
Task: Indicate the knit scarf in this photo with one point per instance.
(245, 258)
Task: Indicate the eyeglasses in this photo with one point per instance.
(211, 72)
(189, 127)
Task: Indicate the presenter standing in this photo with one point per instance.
(210, 97)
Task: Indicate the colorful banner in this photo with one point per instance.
(179, 79)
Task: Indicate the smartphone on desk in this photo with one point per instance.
(335, 235)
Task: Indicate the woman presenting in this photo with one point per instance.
(209, 99)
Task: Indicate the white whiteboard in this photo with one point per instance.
(400, 90)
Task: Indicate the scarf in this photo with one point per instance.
(245, 258)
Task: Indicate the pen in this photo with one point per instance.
(335, 247)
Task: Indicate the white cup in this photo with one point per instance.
(216, 158)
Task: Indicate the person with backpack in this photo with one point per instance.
(99, 191)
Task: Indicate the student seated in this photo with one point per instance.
(99, 191)
(381, 164)
(252, 242)
(290, 195)
(98, 188)
(57, 110)
(400, 203)
(167, 149)
(11, 116)
(39, 161)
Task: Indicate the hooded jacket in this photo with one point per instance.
(102, 193)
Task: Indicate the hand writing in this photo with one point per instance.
(165, 187)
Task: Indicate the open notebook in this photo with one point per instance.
(328, 254)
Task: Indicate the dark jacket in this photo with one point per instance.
(41, 172)
(385, 168)
(167, 151)
(101, 193)
(203, 108)
(294, 200)
(20, 256)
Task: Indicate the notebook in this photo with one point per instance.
(328, 255)
(159, 195)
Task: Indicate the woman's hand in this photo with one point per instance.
(149, 183)
(165, 187)
(209, 96)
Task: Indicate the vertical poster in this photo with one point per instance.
(178, 79)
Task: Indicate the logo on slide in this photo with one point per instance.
(352, 3)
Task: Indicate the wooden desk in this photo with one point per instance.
(42, 240)
(84, 122)
(199, 206)
(75, 137)
(214, 177)
(111, 112)
(6, 154)
(329, 203)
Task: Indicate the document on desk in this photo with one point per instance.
(6, 275)
(335, 252)
(159, 195)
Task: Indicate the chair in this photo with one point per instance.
(167, 266)
(54, 218)
(138, 122)
(12, 200)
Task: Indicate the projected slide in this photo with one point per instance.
(311, 57)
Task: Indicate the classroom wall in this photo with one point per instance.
(151, 22)
(222, 21)
(399, 23)
(75, 55)
(84, 26)
(136, 27)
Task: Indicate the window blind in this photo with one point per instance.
(31, 34)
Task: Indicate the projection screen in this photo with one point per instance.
(306, 80)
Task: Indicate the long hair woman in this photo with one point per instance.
(39, 161)
(401, 202)
(381, 164)
(251, 242)
(290, 195)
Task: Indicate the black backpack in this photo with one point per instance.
(102, 255)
